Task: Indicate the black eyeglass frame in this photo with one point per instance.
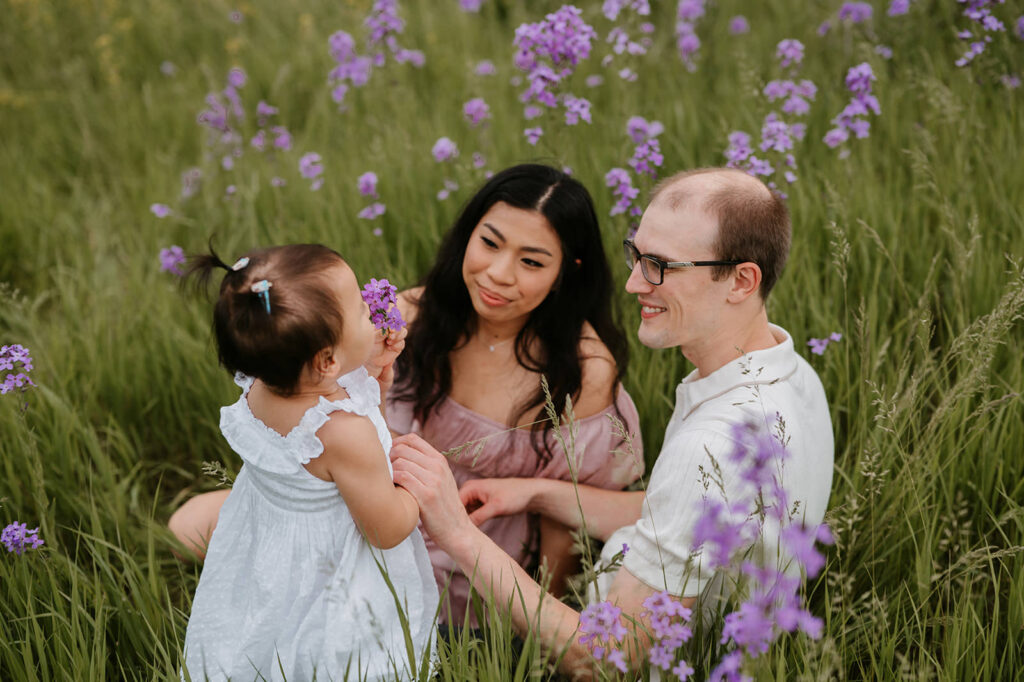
(633, 256)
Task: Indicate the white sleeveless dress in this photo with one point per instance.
(290, 589)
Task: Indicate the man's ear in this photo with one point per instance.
(746, 281)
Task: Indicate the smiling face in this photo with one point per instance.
(686, 309)
(512, 260)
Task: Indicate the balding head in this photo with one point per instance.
(753, 223)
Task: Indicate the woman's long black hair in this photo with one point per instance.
(582, 293)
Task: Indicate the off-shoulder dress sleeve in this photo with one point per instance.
(603, 458)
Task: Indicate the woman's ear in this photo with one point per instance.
(746, 281)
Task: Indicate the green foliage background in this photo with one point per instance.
(911, 247)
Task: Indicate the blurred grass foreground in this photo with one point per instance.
(908, 242)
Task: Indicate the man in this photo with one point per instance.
(709, 249)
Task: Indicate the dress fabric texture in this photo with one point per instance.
(603, 460)
(290, 589)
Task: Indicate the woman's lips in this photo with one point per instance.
(490, 298)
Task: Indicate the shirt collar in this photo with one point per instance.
(758, 367)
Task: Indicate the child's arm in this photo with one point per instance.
(355, 461)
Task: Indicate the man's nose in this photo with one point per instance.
(637, 283)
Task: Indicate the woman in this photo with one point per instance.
(520, 289)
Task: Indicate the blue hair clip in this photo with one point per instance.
(240, 263)
(262, 288)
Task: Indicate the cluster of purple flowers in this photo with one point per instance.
(774, 604)
(385, 26)
(855, 12)
(476, 111)
(725, 538)
(668, 620)
(818, 346)
(549, 52)
(17, 538)
(367, 185)
(379, 294)
(274, 137)
(778, 136)
(353, 70)
(17, 363)
(852, 119)
(311, 167)
(620, 36)
(980, 12)
(601, 630)
(646, 159)
(739, 25)
(687, 42)
(898, 8)
(171, 258)
(470, 5)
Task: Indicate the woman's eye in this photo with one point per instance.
(532, 263)
(490, 244)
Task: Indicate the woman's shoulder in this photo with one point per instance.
(409, 303)
(599, 377)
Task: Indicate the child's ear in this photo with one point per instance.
(325, 361)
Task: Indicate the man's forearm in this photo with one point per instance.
(494, 572)
(605, 511)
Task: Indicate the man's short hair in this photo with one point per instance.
(753, 221)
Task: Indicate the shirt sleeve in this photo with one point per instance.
(693, 466)
(399, 415)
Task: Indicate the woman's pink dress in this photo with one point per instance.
(604, 461)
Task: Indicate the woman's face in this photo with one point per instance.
(512, 260)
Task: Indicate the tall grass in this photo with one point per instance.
(911, 247)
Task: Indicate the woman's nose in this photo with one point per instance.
(502, 269)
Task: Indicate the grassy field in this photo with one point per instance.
(910, 246)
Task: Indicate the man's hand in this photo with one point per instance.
(424, 472)
(486, 498)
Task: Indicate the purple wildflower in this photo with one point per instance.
(884, 51)
(594, 81)
(898, 8)
(373, 211)
(171, 258)
(687, 42)
(790, 52)
(824, 28)
(533, 135)
(485, 68)
(470, 5)
(17, 362)
(475, 111)
(738, 25)
(601, 629)
(576, 109)
(1018, 28)
(367, 184)
(235, 17)
(444, 150)
(446, 191)
(18, 539)
(282, 138)
(379, 295)
(479, 161)
(1010, 80)
(277, 182)
(855, 12)
(641, 130)
(310, 166)
(622, 188)
(160, 210)
(236, 77)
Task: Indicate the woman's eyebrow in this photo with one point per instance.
(527, 249)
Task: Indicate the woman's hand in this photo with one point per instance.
(380, 366)
(424, 472)
(486, 498)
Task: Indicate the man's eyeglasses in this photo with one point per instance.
(653, 268)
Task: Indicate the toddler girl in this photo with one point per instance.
(294, 583)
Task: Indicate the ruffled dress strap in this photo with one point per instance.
(263, 447)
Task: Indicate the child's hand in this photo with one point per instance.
(388, 348)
